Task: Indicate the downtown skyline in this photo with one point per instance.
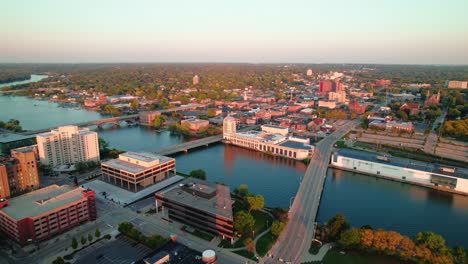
(388, 32)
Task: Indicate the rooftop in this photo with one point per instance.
(136, 168)
(41, 201)
(10, 137)
(202, 195)
(405, 163)
(295, 144)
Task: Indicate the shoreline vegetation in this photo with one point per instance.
(424, 247)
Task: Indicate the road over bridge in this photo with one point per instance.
(184, 147)
(294, 242)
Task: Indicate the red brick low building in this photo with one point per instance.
(44, 213)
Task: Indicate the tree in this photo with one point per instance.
(460, 255)
(103, 147)
(134, 104)
(276, 228)
(74, 243)
(249, 245)
(199, 174)
(211, 112)
(112, 110)
(83, 240)
(156, 241)
(158, 121)
(243, 222)
(163, 103)
(256, 202)
(97, 233)
(243, 190)
(337, 225)
(125, 227)
(90, 237)
(402, 115)
(58, 260)
(433, 241)
(350, 239)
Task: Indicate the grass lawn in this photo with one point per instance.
(265, 243)
(335, 257)
(261, 219)
(246, 254)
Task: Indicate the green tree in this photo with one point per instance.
(199, 174)
(125, 227)
(156, 241)
(163, 103)
(74, 243)
(460, 255)
(350, 239)
(256, 202)
(58, 260)
(134, 104)
(158, 121)
(276, 228)
(243, 222)
(433, 241)
(83, 240)
(97, 233)
(243, 190)
(112, 110)
(336, 226)
(90, 237)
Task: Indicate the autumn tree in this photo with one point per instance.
(249, 245)
(336, 225)
(350, 239)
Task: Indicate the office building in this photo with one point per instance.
(9, 141)
(44, 213)
(67, 145)
(19, 172)
(309, 72)
(135, 171)
(204, 205)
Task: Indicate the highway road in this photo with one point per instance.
(294, 242)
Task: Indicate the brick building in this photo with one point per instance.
(147, 117)
(19, 172)
(44, 213)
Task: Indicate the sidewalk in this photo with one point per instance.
(320, 255)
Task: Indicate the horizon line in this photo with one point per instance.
(253, 63)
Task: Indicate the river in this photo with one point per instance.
(34, 78)
(362, 199)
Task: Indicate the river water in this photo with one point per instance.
(362, 199)
(34, 78)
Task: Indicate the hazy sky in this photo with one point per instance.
(309, 31)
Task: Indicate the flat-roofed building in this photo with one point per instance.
(275, 129)
(195, 125)
(46, 212)
(67, 145)
(9, 141)
(19, 172)
(204, 205)
(135, 171)
(147, 117)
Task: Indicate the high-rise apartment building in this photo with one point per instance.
(19, 172)
(68, 145)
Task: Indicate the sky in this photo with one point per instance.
(251, 31)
